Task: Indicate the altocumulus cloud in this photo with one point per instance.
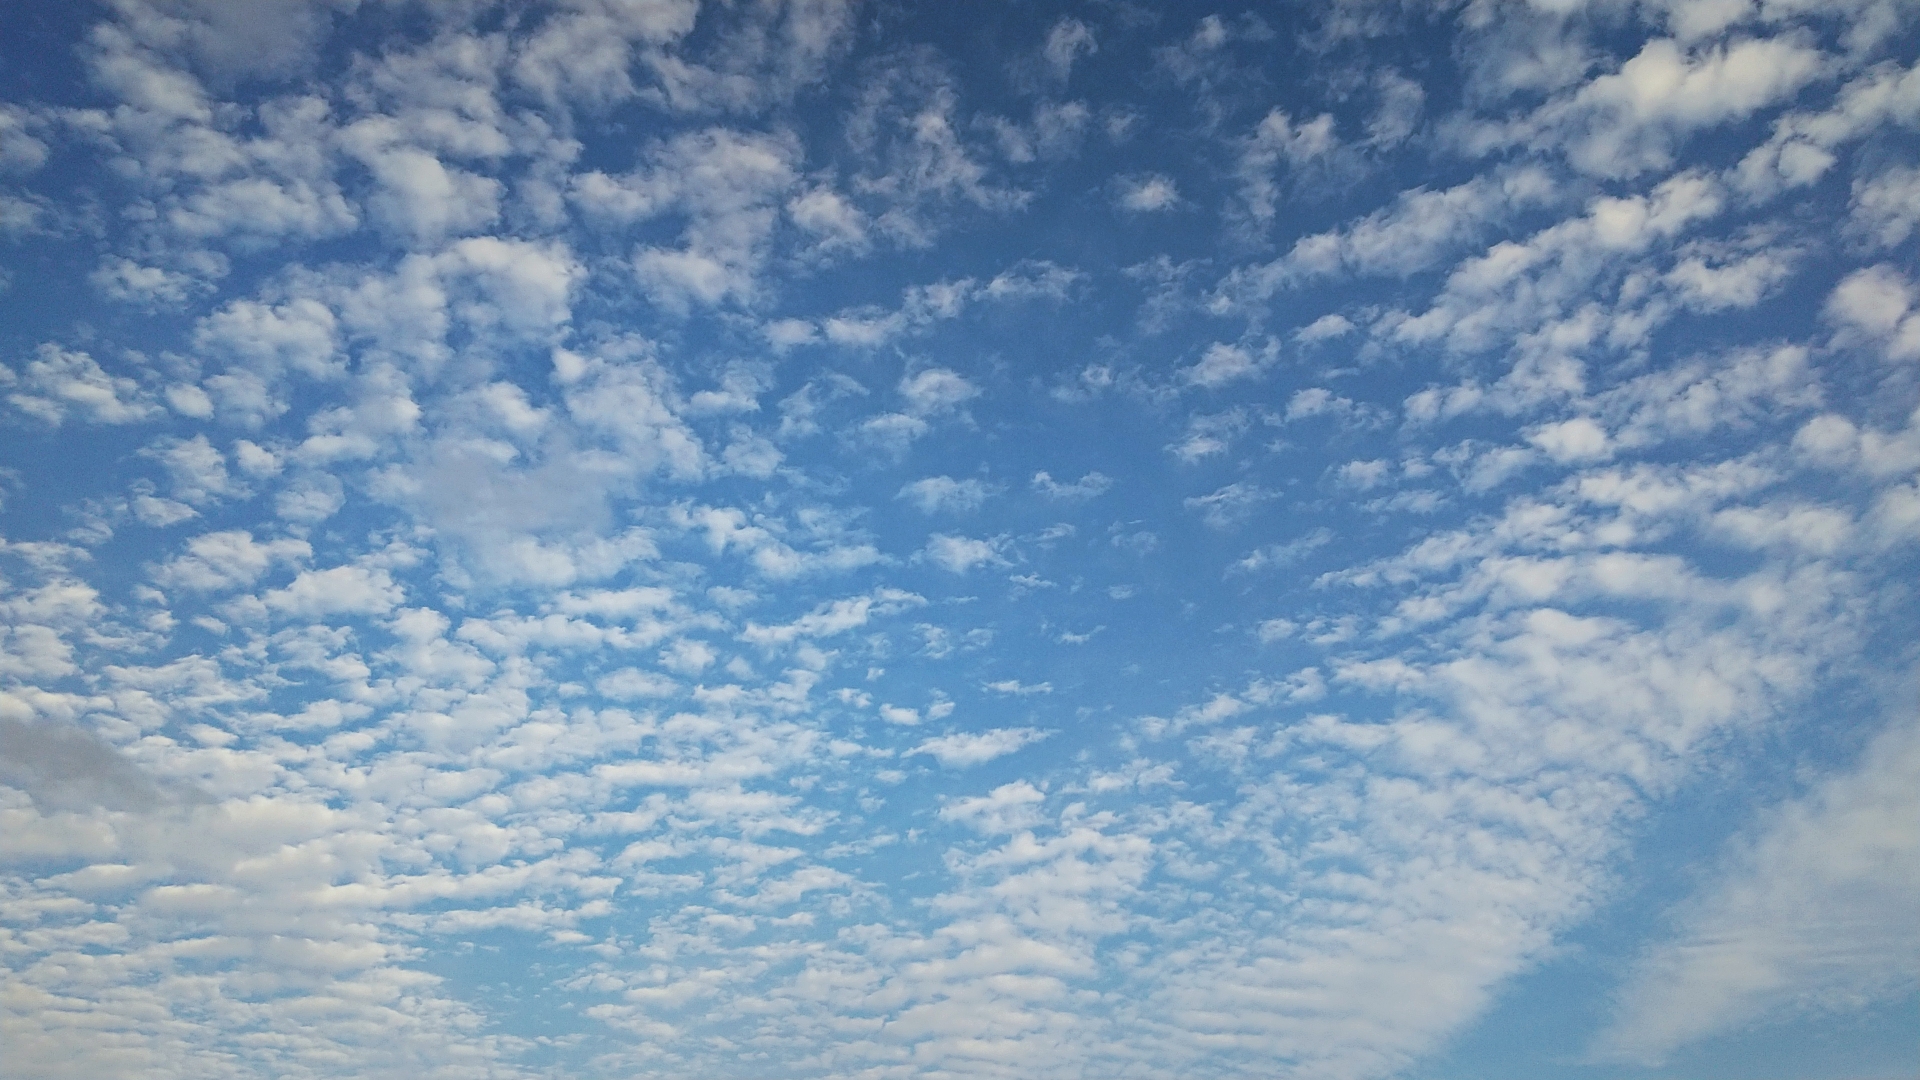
(833, 539)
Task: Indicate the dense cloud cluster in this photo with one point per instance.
(812, 538)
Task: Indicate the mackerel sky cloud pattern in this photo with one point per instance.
(806, 538)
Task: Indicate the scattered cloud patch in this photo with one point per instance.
(962, 750)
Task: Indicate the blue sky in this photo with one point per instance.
(633, 538)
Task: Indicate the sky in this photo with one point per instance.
(830, 539)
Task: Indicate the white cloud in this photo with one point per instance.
(728, 530)
(1363, 475)
(630, 684)
(300, 335)
(1831, 441)
(935, 391)
(1536, 295)
(1811, 912)
(523, 288)
(628, 402)
(915, 162)
(738, 392)
(520, 620)
(1415, 233)
(923, 306)
(25, 216)
(892, 433)
(197, 470)
(418, 196)
(311, 499)
(834, 617)
(1006, 809)
(1324, 328)
(1284, 554)
(934, 494)
(763, 57)
(1578, 439)
(1271, 630)
(1877, 304)
(1067, 42)
(256, 210)
(129, 282)
(161, 513)
(228, 559)
(1209, 434)
(1401, 102)
(587, 53)
(58, 384)
(1032, 279)
(687, 656)
(20, 151)
(1222, 364)
(959, 554)
(1801, 148)
(1055, 132)
(1146, 194)
(1089, 486)
(255, 460)
(830, 216)
(1886, 207)
(1627, 122)
(1230, 505)
(339, 590)
(728, 187)
(1202, 56)
(929, 394)
(1712, 278)
(1280, 144)
(976, 748)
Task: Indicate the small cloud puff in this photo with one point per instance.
(1088, 486)
(1005, 809)
(1222, 364)
(937, 493)
(964, 749)
(1146, 194)
(959, 554)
